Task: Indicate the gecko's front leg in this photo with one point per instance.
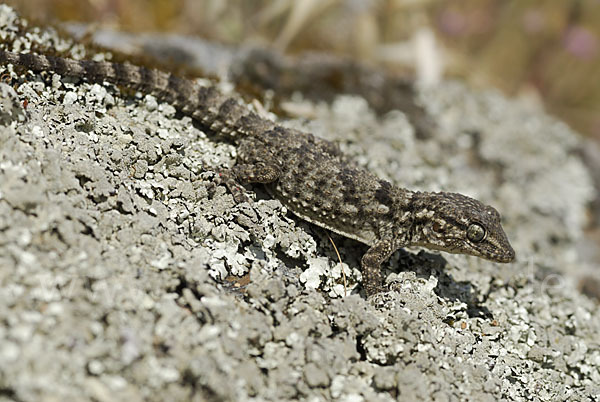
(371, 265)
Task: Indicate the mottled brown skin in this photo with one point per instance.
(309, 175)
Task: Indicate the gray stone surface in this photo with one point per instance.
(115, 242)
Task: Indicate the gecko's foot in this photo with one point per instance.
(240, 196)
(373, 289)
(372, 294)
(238, 192)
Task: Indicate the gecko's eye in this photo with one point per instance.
(476, 232)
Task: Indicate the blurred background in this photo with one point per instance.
(545, 50)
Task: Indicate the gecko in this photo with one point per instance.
(308, 175)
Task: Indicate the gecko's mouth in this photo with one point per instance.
(509, 256)
(505, 256)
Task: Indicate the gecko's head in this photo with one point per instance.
(456, 223)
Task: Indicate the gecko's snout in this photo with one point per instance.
(507, 255)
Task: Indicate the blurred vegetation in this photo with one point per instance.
(545, 49)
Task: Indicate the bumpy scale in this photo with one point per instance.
(309, 175)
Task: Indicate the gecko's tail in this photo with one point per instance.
(224, 115)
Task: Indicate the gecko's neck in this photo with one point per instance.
(428, 211)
